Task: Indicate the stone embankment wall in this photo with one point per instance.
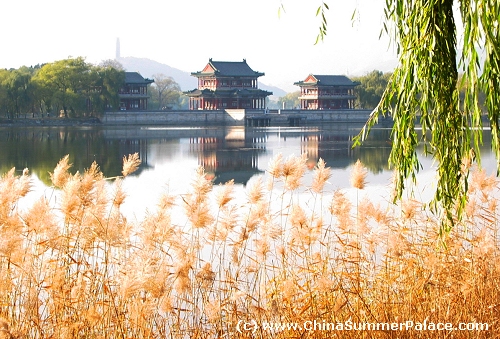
(281, 117)
(237, 117)
(187, 117)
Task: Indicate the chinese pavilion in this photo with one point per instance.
(227, 85)
(327, 92)
(134, 92)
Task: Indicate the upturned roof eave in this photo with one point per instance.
(222, 75)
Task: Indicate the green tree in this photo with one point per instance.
(103, 91)
(66, 82)
(43, 94)
(290, 100)
(165, 91)
(424, 87)
(19, 91)
(4, 75)
(371, 88)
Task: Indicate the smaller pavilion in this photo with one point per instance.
(327, 92)
(134, 92)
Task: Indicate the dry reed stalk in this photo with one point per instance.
(340, 207)
(4, 330)
(81, 270)
(12, 189)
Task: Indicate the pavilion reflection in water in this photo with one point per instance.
(335, 145)
(231, 155)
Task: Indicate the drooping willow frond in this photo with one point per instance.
(423, 89)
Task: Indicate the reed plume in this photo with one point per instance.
(60, 174)
(275, 167)
(130, 164)
(358, 176)
(225, 194)
(119, 196)
(24, 184)
(293, 170)
(196, 203)
(321, 176)
(255, 191)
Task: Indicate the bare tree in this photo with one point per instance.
(166, 90)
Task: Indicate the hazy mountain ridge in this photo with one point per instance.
(147, 68)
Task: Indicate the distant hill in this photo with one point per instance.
(148, 68)
(277, 92)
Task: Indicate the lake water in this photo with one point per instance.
(170, 155)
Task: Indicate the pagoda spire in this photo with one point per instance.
(117, 48)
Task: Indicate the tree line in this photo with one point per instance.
(71, 87)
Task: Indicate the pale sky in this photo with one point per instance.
(184, 34)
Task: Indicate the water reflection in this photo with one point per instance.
(226, 152)
(39, 149)
(232, 155)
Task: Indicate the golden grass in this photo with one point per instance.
(77, 268)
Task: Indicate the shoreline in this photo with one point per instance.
(91, 121)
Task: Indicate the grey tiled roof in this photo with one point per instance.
(329, 80)
(231, 69)
(136, 78)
